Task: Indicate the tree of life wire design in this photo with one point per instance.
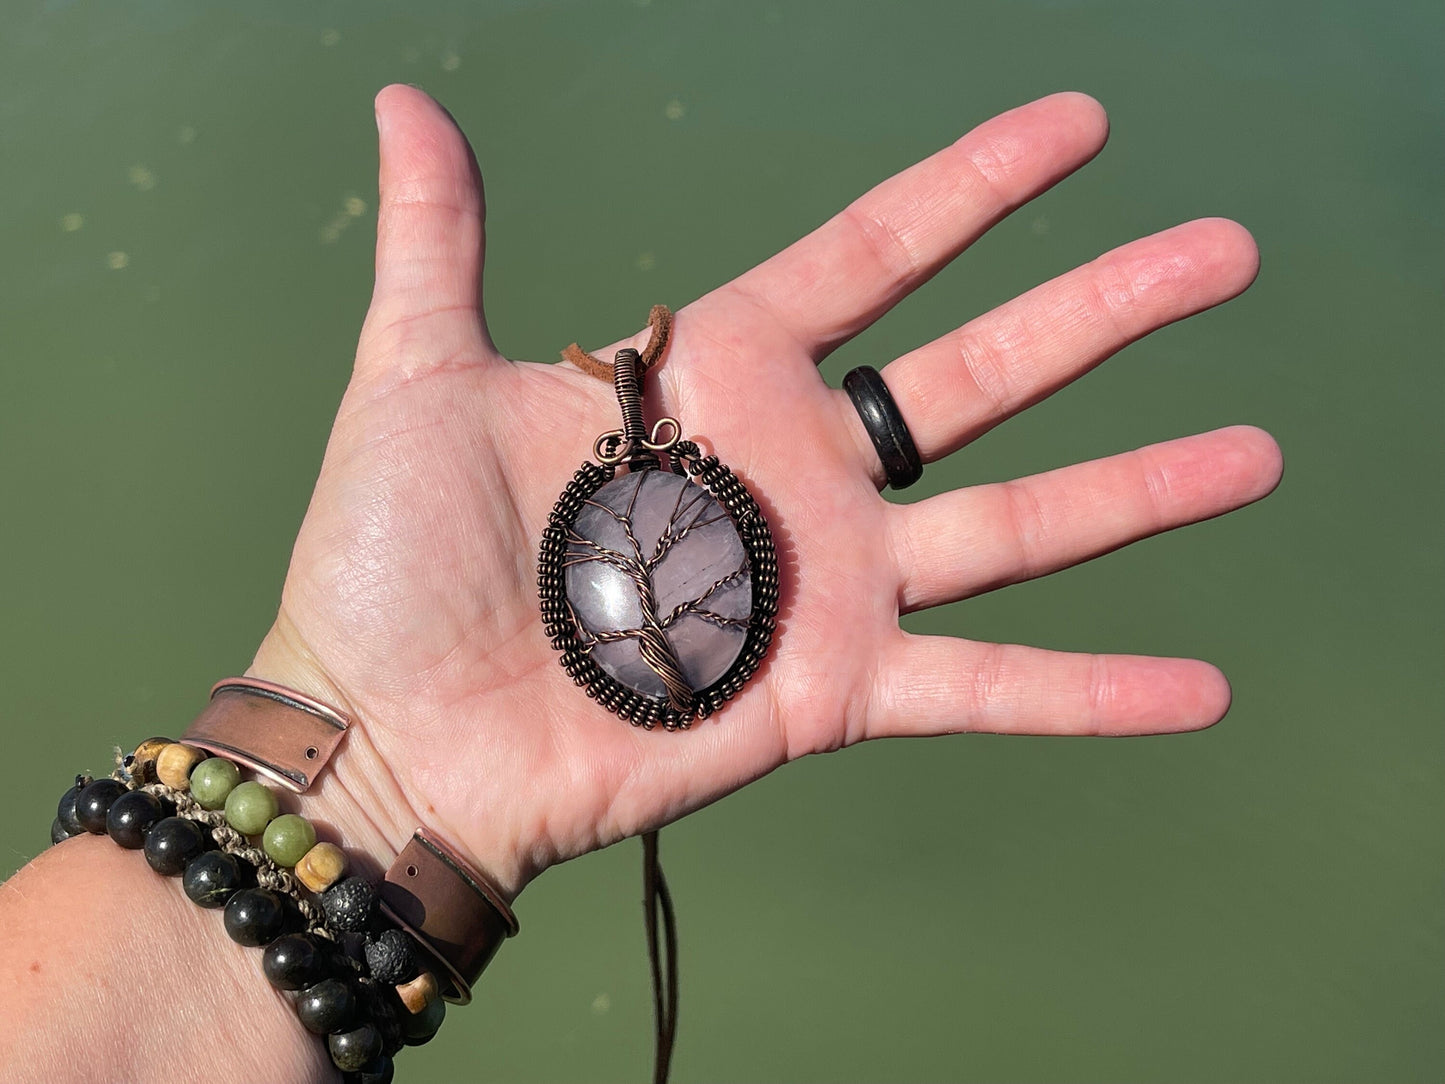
(690, 512)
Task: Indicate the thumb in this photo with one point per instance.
(430, 234)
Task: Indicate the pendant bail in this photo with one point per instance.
(632, 444)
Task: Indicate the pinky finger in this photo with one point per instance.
(943, 685)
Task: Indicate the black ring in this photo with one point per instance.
(886, 427)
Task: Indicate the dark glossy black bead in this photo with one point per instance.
(390, 959)
(349, 904)
(381, 1071)
(65, 812)
(254, 917)
(131, 818)
(419, 1028)
(95, 802)
(58, 834)
(327, 1006)
(213, 877)
(295, 921)
(172, 843)
(352, 1050)
(293, 962)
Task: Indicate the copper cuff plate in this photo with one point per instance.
(270, 729)
(433, 893)
(458, 917)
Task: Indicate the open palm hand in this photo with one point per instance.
(411, 598)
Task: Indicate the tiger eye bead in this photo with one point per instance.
(327, 1006)
(321, 867)
(174, 764)
(143, 760)
(420, 992)
(255, 917)
(212, 781)
(212, 878)
(288, 839)
(172, 843)
(131, 818)
(250, 807)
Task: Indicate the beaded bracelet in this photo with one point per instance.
(167, 798)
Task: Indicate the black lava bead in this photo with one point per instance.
(293, 962)
(327, 1006)
(390, 959)
(254, 917)
(58, 834)
(95, 802)
(131, 818)
(172, 843)
(66, 811)
(418, 1028)
(349, 904)
(213, 877)
(380, 1071)
(351, 1050)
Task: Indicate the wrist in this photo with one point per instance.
(152, 990)
(366, 796)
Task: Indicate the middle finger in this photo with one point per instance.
(958, 387)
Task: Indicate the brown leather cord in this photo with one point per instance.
(656, 899)
(659, 319)
(657, 903)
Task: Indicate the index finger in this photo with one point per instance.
(829, 286)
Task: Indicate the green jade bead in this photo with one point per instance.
(288, 838)
(250, 807)
(212, 782)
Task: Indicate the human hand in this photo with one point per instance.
(411, 597)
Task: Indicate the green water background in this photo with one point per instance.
(185, 230)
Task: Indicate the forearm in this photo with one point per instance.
(108, 972)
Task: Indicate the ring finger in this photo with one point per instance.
(971, 540)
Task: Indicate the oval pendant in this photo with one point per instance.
(657, 579)
(659, 587)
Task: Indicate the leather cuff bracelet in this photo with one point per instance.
(429, 890)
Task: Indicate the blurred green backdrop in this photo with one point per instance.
(188, 208)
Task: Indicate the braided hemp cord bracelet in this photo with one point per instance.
(366, 1011)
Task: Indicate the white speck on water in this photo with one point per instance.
(117, 261)
(352, 208)
(185, 135)
(601, 1004)
(1040, 225)
(451, 60)
(330, 38)
(143, 178)
(675, 110)
(72, 222)
(646, 261)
